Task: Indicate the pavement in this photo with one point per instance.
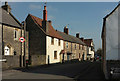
(75, 71)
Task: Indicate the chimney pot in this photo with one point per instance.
(6, 7)
(82, 39)
(44, 7)
(6, 3)
(45, 14)
(50, 22)
(66, 30)
(77, 35)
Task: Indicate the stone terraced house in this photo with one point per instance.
(43, 44)
(13, 52)
(74, 48)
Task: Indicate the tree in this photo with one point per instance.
(99, 52)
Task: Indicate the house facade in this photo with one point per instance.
(45, 44)
(13, 54)
(90, 48)
(74, 48)
(110, 42)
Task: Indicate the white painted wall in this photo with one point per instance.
(51, 48)
(91, 52)
(112, 36)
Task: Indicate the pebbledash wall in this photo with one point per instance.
(51, 48)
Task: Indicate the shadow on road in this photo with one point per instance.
(81, 71)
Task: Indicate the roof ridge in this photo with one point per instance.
(37, 23)
(71, 37)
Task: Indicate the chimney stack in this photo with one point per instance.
(82, 39)
(45, 14)
(44, 22)
(77, 35)
(6, 7)
(50, 22)
(66, 30)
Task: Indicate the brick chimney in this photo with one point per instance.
(45, 22)
(82, 39)
(66, 30)
(77, 35)
(6, 7)
(45, 14)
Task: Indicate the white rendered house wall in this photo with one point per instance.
(50, 49)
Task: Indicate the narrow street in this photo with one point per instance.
(81, 71)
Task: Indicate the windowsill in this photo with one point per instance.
(8, 55)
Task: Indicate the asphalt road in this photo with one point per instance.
(80, 71)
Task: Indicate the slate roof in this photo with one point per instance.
(51, 31)
(70, 38)
(9, 19)
(88, 42)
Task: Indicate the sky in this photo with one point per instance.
(85, 18)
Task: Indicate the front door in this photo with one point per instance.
(7, 50)
(68, 57)
(83, 56)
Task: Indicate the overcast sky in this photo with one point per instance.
(85, 18)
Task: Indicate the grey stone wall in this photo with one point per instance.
(38, 60)
(8, 39)
(37, 42)
(11, 62)
(76, 52)
(37, 39)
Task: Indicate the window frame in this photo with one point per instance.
(59, 42)
(67, 45)
(52, 40)
(15, 34)
(75, 46)
(55, 54)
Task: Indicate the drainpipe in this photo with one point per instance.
(24, 56)
(21, 48)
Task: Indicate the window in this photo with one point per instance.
(59, 42)
(79, 46)
(82, 47)
(55, 54)
(75, 46)
(7, 50)
(67, 44)
(16, 34)
(71, 46)
(92, 48)
(52, 40)
(79, 55)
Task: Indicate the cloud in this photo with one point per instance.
(34, 6)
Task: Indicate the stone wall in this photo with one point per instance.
(38, 60)
(37, 38)
(13, 59)
(11, 62)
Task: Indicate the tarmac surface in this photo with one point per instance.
(71, 71)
